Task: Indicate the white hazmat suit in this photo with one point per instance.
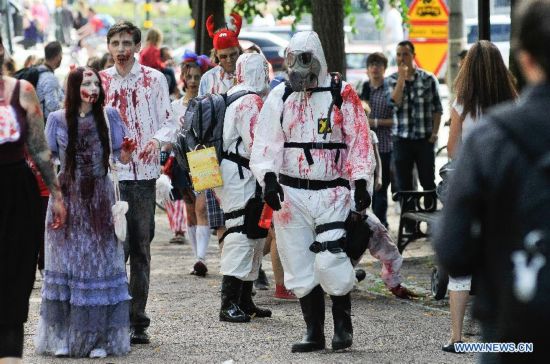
(303, 209)
(241, 255)
(310, 144)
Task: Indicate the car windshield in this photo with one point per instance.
(356, 60)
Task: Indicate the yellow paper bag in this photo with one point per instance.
(205, 169)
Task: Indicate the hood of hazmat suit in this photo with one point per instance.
(305, 59)
(252, 73)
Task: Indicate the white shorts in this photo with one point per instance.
(460, 283)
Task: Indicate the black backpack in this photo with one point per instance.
(31, 74)
(525, 312)
(203, 125)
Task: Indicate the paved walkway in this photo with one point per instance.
(185, 326)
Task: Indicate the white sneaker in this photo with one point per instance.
(98, 353)
(63, 352)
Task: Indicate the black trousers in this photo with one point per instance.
(11, 341)
(407, 153)
(380, 198)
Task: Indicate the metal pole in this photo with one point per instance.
(484, 19)
(457, 41)
(58, 21)
(148, 6)
(6, 9)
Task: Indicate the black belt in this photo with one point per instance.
(231, 230)
(333, 246)
(312, 184)
(233, 214)
(330, 226)
(308, 146)
(239, 160)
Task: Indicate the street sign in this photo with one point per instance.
(429, 20)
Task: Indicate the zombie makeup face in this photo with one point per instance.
(90, 86)
(122, 48)
(228, 58)
(192, 80)
(303, 70)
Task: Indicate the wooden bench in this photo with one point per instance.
(417, 208)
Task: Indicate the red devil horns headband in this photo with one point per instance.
(225, 38)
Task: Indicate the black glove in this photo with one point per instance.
(362, 196)
(273, 192)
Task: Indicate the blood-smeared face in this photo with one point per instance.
(192, 80)
(122, 48)
(90, 86)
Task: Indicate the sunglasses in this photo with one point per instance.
(230, 55)
(304, 59)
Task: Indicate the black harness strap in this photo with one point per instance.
(233, 214)
(312, 184)
(237, 158)
(333, 246)
(308, 146)
(231, 230)
(330, 226)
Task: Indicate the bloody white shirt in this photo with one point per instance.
(143, 101)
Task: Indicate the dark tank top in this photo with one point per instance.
(15, 151)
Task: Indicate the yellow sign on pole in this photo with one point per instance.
(429, 21)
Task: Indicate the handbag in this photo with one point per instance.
(204, 168)
(120, 207)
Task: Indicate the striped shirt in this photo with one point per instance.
(413, 119)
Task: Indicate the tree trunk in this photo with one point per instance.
(203, 42)
(513, 63)
(328, 22)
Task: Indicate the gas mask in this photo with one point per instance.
(303, 70)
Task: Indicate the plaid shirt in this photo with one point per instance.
(377, 97)
(413, 119)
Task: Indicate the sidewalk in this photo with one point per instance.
(185, 326)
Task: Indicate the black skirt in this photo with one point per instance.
(20, 226)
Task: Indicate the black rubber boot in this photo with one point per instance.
(231, 292)
(313, 309)
(343, 329)
(247, 305)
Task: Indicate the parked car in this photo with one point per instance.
(271, 45)
(356, 60)
(283, 31)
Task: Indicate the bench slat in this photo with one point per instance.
(429, 217)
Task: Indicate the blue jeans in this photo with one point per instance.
(140, 196)
(380, 198)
